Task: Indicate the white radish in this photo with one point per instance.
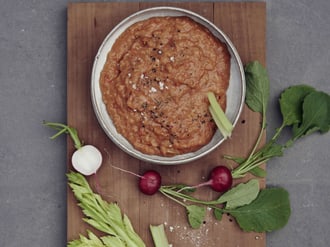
(86, 159)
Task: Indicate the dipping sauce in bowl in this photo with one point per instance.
(150, 82)
(155, 83)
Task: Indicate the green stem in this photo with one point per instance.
(65, 129)
(256, 160)
(59, 133)
(278, 132)
(256, 144)
(171, 197)
(241, 173)
(256, 157)
(175, 194)
(248, 160)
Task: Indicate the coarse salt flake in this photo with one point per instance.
(152, 90)
(161, 85)
(172, 59)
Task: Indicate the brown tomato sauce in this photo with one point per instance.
(155, 83)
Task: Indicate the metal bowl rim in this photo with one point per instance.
(162, 160)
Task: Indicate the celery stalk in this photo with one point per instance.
(219, 117)
(159, 236)
(219, 124)
(102, 215)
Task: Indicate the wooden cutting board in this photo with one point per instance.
(88, 24)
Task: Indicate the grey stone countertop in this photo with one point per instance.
(33, 88)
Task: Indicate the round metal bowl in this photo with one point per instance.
(235, 92)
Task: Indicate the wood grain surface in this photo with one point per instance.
(88, 24)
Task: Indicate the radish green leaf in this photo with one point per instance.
(218, 213)
(257, 87)
(316, 115)
(196, 215)
(291, 101)
(269, 211)
(240, 195)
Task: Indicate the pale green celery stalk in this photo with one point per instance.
(220, 118)
(90, 240)
(219, 124)
(159, 236)
(104, 216)
(112, 241)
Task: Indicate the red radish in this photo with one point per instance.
(220, 179)
(150, 182)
